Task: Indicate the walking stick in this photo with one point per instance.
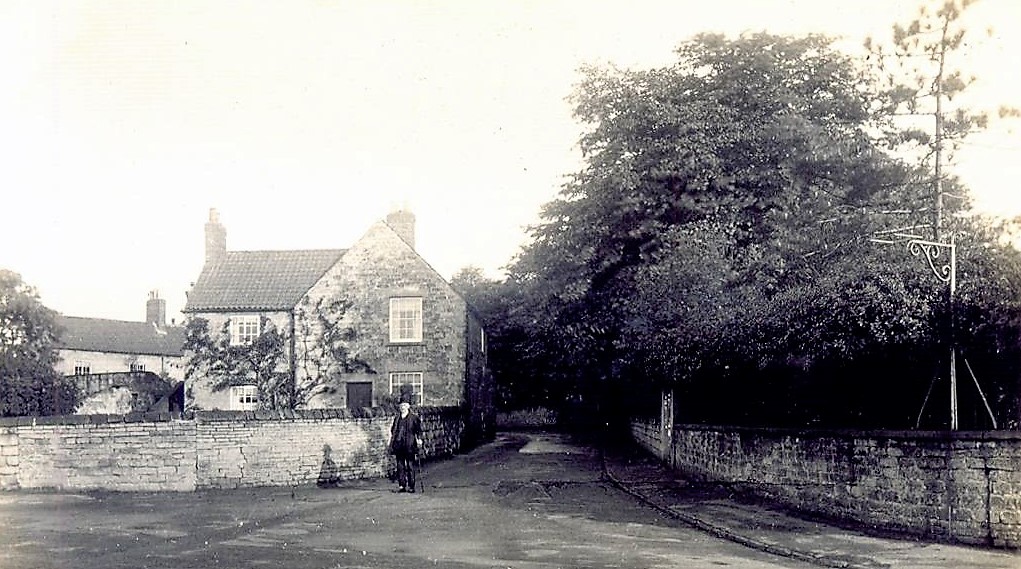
(418, 469)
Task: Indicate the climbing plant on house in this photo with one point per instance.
(321, 341)
(260, 362)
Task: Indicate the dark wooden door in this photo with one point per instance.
(359, 394)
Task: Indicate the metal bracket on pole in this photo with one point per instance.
(932, 251)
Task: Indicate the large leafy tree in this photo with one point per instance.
(727, 233)
(723, 167)
(512, 356)
(29, 385)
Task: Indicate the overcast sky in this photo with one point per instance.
(303, 122)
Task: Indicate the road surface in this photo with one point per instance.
(523, 501)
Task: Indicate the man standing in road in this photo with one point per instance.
(405, 440)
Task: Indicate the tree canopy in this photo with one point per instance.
(29, 385)
(734, 233)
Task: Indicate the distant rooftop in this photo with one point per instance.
(119, 337)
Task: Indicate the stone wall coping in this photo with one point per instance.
(315, 414)
(927, 435)
(223, 416)
(98, 419)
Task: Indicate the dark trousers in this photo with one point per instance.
(406, 470)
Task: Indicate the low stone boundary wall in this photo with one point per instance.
(211, 449)
(91, 452)
(537, 418)
(948, 486)
(649, 436)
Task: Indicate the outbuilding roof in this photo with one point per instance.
(119, 337)
(259, 280)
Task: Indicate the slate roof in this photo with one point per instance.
(119, 337)
(259, 280)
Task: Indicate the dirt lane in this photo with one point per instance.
(524, 501)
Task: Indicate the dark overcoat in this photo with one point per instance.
(404, 434)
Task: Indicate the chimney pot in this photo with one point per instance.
(402, 221)
(216, 237)
(156, 310)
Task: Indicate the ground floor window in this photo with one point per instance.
(412, 378)
(244, 398)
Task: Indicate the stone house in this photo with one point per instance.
(92, 346)
(411, 328)
(122, 366)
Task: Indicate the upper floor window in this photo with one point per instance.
(137, 366)
(406, 319)
(82, 367)
(244, 329)
(244, 398)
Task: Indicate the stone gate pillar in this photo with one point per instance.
(666, 426)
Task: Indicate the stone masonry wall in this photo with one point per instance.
(536, 418)
(948, 486)
(479, 388)
(10, 462)
(238, 448)
(649, 435)
(214, 449)
(381, 266)
(90, 452)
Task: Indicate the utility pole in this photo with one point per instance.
(932, 249)
(934, 36)
(937, 90)
(947, 272)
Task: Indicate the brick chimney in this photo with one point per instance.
(216, 237)
(402, 222)
(156, 310)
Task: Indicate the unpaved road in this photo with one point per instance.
(523, 501)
